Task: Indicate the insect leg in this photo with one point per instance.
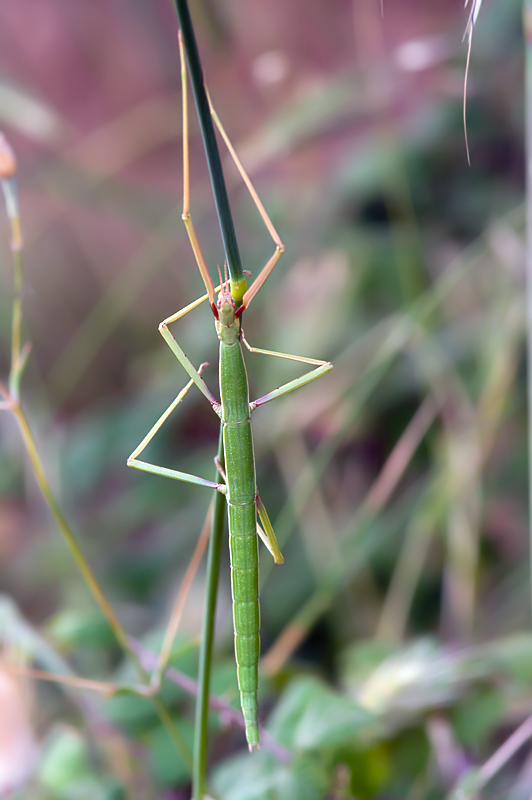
(182, 358)
(321, 367)
(257, 284)
(267, 535)
(133, 460)
(220, 468)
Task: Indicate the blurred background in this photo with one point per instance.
(397, 484)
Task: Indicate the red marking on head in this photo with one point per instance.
(224, 298)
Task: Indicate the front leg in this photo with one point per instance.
(195, 375)
(180, 354)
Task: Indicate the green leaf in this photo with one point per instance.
(68, 772)
(71, 629)
(477, 716)
(513, 654)
(260, 777)
(127, 708)
(64, 760)
(465, 789)
(369, 770)
(420, 676)
(130, 711)
(311, 715)
(167, 765)
(362, 658)
(410, 753)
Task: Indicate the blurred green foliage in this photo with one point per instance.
(397, 653)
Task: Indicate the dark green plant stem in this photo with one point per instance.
(207, 638)
(209, 141)
(219, 504)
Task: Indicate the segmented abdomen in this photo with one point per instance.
(245, 589)
(238, 445)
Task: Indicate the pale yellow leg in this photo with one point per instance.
(279, 246)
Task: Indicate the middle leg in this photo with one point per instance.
(321, 368)
(133, 460)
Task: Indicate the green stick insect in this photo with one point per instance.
(234, 410)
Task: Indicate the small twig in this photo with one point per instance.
(473, 15)
(19, 355)
(8, 170)
(401, 456)
(379, 494)
(190, 686)
(102, 687)
(505, 752)
(181, 599)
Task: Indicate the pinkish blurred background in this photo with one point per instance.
(397, 485)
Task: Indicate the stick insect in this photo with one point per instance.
(234, 409)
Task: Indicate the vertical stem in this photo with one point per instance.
(9, 188)
(11, 397)
(16, 324)
(237, 277)
(207, 638)
(527, 27)
(93, 584)
(70, 539)
(209, 141)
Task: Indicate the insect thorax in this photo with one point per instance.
(227, 327)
